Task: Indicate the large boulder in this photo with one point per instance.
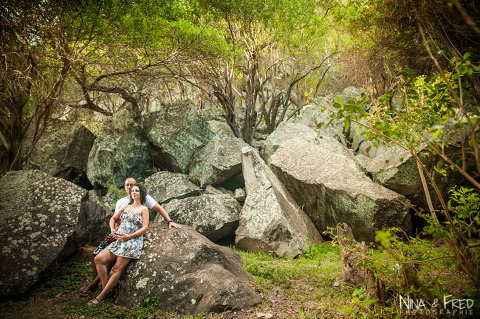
(62, 151)
(165, 186)
(296, 131)
(354, 93)
(176, 132)
(42, 219)
(392, 167)
(107, 198)
(318, 115)
(315, 113)
(220, 128)
(120, 151)
(396, 168)
(215, 117)
(271, 221)
(186, 273)
(215, 216)
(217, 161)
(286, 131)
(211, 112)
(333, 189)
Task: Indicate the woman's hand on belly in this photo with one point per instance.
(124, 237)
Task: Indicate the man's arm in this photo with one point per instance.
(164, 214)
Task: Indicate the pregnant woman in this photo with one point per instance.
(134, 223)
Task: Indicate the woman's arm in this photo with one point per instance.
(143, 229)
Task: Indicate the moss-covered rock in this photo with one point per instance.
(43, 219)
(185, 273)
(217, 161)
(176, 132)
(62, 151)
(333, 189)
(120, 151)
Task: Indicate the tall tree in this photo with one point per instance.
(386, 36)
(268, 47)
(34, 64)
(80, 53)
(104, 55)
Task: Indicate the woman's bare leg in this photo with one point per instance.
(120, 265)
(102, 262)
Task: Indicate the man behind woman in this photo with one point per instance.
(127, 225)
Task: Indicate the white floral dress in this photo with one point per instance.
(131, 222)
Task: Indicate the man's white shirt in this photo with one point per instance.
(149, 202)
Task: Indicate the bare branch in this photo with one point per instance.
(468, 19)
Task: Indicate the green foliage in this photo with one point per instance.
(360, 298)
(429, 116)
(107, 55)
(271, 20)
(464, 204)
(263, 40)
(415, 267)
(306, 281)
(116, 192)
(434, 109)
(265, 268)
(411, 267)
(269, 269)
(386, 35)
(321, 250)
(64, 277)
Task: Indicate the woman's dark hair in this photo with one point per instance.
(143, 193)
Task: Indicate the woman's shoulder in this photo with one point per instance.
(127, 207)
(137, 209)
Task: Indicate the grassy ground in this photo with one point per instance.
(305, 287)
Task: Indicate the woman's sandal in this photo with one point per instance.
(94, 301)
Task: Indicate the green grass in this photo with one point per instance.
(309, 281)
(320, 264)
(64, 277)
(308, 286)
(303, 282)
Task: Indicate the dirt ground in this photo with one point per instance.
(36, 305)
(274, 305)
